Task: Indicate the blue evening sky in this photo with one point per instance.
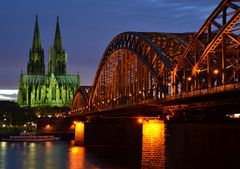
(87, 26)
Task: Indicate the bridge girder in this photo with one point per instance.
(212, 55)
(80, 99)
(137, 66)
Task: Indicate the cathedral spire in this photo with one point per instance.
(36, 37)
(36, 64)
(57, 40)
(57, 56)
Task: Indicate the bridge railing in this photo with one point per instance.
(216, 89)
(193, 93)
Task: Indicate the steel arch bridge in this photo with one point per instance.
(138, 66)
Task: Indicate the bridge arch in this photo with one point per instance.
(80, 99)
(136, 66)
(135, 42)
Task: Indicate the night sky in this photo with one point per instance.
(87, 27)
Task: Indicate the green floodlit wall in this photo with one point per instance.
(47, 90)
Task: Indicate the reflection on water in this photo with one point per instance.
(62, 155)
(28, 155)
(77, 158)
(203, 145)
(3, 154)
(171, 146)
(153, 144)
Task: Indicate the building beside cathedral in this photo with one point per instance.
(54, 88)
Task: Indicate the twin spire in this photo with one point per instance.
(36, 37)
(57, 55)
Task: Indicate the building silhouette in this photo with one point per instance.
(54, 88)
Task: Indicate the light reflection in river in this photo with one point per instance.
(77, 158)
(3, 154)
(171, 146)
(30, 156)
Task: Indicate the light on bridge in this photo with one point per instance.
(216, 71)
(234, 116)
(189, 78)
(140, 120)
(147, 119)
(72, 127)
(48, 128)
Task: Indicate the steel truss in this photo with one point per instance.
(140, 66)
(212, 57)
(80, 99)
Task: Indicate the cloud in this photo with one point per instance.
(8, 95)
(8, 91)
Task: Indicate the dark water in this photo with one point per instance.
(172, 146)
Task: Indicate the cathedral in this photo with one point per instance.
(54, 88)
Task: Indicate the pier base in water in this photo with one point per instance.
(79, 133)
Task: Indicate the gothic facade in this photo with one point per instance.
(54, 88)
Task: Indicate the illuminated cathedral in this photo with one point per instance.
(54, 88)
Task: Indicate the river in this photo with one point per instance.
(170, 146)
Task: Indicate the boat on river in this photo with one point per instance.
(30, 137)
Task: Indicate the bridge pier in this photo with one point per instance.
(79, 133)
(153, 144)
(108, 132)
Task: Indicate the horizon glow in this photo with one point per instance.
(8, 94)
